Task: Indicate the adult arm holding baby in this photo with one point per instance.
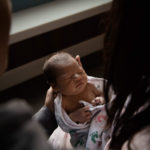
(46, 114)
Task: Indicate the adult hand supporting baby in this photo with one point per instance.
(49, 100)
(81, 115)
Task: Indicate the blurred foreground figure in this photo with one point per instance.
(17, 129)
(128, 73)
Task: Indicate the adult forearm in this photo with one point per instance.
(47, 119)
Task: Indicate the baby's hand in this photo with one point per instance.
(81, 115)
(98, 101)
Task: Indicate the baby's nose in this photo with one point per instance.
(77, 76)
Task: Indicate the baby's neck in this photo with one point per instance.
(80, 96)
(73, 97)
(71, 103)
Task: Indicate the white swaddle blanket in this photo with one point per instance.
(78, 132)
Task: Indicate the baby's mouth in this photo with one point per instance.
(79, 84)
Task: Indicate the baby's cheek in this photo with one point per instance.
(71, 87)
(85, 78)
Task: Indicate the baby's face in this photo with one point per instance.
(72, 79)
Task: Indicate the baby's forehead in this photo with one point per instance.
(66, 66)
(67, 69)
(63, 71)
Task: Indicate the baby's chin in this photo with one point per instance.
(81, 89)
(76, 92)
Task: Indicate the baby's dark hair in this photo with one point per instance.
(50, 67)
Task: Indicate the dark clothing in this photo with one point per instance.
(18, 131)
(47, 119)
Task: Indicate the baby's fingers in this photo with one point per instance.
(98, 101)
(85, 108)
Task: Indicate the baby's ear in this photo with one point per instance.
(55, 88)
(77, 58)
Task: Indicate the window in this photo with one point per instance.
(23, 4)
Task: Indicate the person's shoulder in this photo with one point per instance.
(17, 124)
(16, 108)
(93, 78)
(97, 82)
(141, 140)
(14, 114)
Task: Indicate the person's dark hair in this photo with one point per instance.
(50, 67)
(126, 54)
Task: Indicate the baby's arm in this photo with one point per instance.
(99, 97)
(81, 115)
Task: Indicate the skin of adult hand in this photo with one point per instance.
(81, 115)
(49, 100)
